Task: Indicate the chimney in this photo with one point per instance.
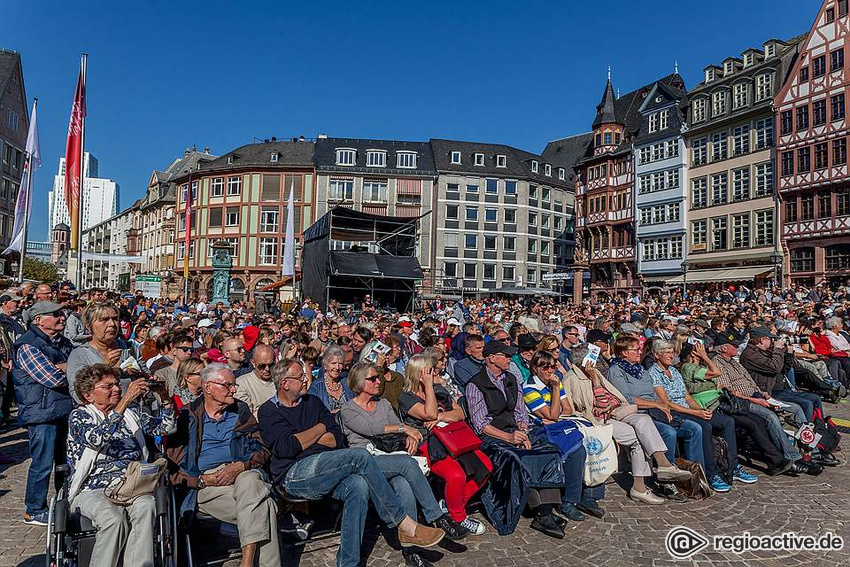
(274, 139)
(323, 136)
(207, 150)
(266, 141)
(302, 139)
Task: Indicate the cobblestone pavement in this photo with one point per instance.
(630, 534)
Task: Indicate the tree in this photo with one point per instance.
(38, 270)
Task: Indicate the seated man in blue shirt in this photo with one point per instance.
(306, 459)
(472, 363)
(221, 457)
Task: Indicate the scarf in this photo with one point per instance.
(633, 370)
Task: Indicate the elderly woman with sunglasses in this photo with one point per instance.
(366, 416)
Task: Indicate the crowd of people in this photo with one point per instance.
(417, 415)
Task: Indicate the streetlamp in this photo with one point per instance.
(684, 278)
(776, 259)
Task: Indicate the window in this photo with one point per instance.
(510, 216)
(562, 174)
(479, 160)
(836, 60)
(741, 184)
(649, 250)
(450, 269)
(699, 151)
(676, 247)
(819, 66)
(509, 243)
(791, 211)
(510, 187)
(532, 247)
(718, 103)
(671, 148)
(804, 74)
(532, 219)
(452, 188)
(824, 206)
(787, 121)
(718, 233)
(699, 193)
(345, 156)
(375, 190)
(739, 96)
(470, 241)
(842, 8)
(271, 188)
(531, 275)
(544, 250)
(534, 166)
(470, 271)
(837, 104)
(804, 160)
(489, 242)
(698, 232)
(489, 271)
(807, 207)
(645, 155)
(376, 158)
(451, 212)
(490, 215)
(532, 192)
(472, 213)
(741, 140)
(558, 222)
(787, 164)
(545, 221)
(763, 87)
(803, 118)
(268, 251)
(406, 160)
(709, 75)
(698, 110)
(491, 186)
(741, 230)
(764, 228)
(507, 274)
(274, 157)
(456, 158)
(819, 112)
(764, 133)
(217, 187)
(719, 188)
(821, 156)
(472, 188)
(215, 217)
(451, 240)
(802, 260)
(839, 151)
(547, 194)
(231, 217)
(547, 170)
(269, 219)
(234, 186)
(653, 122)
(719, 146)
(842, 203)
(340, 189)
(657, 151)
(181, 249)
(501, 161)
(608, 138)
(663, 119)
(764, 179)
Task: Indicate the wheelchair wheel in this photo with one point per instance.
(165, 539)
(57, 522)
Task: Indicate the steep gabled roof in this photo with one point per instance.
(566, 152)
(605, 112)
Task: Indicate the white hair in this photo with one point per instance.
(214, 369)
(833, 323)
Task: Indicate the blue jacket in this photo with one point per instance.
(317, 388)
(38, 403)
(465, 369)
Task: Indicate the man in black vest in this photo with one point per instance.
(44, 402)
(499, 415)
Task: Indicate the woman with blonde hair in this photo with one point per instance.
(551, 345)
(189, 380)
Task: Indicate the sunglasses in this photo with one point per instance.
(185, 348)
(263, 366)
(373, 378)
(547, 367)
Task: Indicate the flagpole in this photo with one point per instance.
(25, 224)
(79, 227)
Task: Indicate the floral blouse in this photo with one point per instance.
(112, 438)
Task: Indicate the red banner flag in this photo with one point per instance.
(74, 157)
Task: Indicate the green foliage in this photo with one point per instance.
(38, 270)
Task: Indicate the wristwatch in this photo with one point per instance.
(401, 428)
(201, 484)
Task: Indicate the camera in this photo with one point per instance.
(797, 339)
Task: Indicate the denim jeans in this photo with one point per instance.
(723, 426)
(806, 400)
(353, 477)
(691, 436)
(774, 429)
(410, 485)
(47, 447)
(573, 467)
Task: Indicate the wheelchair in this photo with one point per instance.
(71, 536)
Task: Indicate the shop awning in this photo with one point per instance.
(280, 283)
(723, 275)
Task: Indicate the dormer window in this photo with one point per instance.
(456, 158)
(479, 160)
(501, 161)
(376, 158)
(547, 170)
(406, 160)
(534, 166)
(274, 157)
(663, 119)
(653, 122)
(709, 75)
(769, 50)
(562, 174)
(346, 156)
(229, 160)
(728, 67)
(749, 59)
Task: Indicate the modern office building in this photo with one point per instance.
(100, 199)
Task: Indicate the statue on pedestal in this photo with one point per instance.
(222, 263)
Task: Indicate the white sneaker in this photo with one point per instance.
(443, 506)
(474, 526)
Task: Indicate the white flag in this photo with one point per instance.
(24, 203)
(289, 242)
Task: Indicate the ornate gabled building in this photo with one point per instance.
(14, 124)
(732, 224)
(814, 181)
(605, 232)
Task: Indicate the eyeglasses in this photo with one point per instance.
(108, 386)
(185, 348)
(193, 374)
(373, 378)
(547, 367)
(301, 377)
(263, 366)
(228, 385)
(553, 349)
(572, 334)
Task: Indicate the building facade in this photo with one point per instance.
(381, 177)
(660, 173)
(14, 125)
(814, 182)
(100, 199)
(732, 217)
(111, 240)
(240, 198)
(502, 217)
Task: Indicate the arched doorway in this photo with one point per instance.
(237, 290)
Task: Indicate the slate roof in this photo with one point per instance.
(325, 156)
(8, 64)
(176, 170)
(605, 113)
(566, 151)
(290, 154)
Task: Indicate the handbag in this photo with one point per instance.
(390, 442)
(565, 435)
(707, 398)
(140, 479)
(601, 461)
(697, 486)
(457, 437)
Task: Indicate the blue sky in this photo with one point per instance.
(164, 75)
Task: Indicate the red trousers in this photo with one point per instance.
(459, 488)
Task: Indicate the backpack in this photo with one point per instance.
(696, 487)
(722, 458)
(826, 428)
